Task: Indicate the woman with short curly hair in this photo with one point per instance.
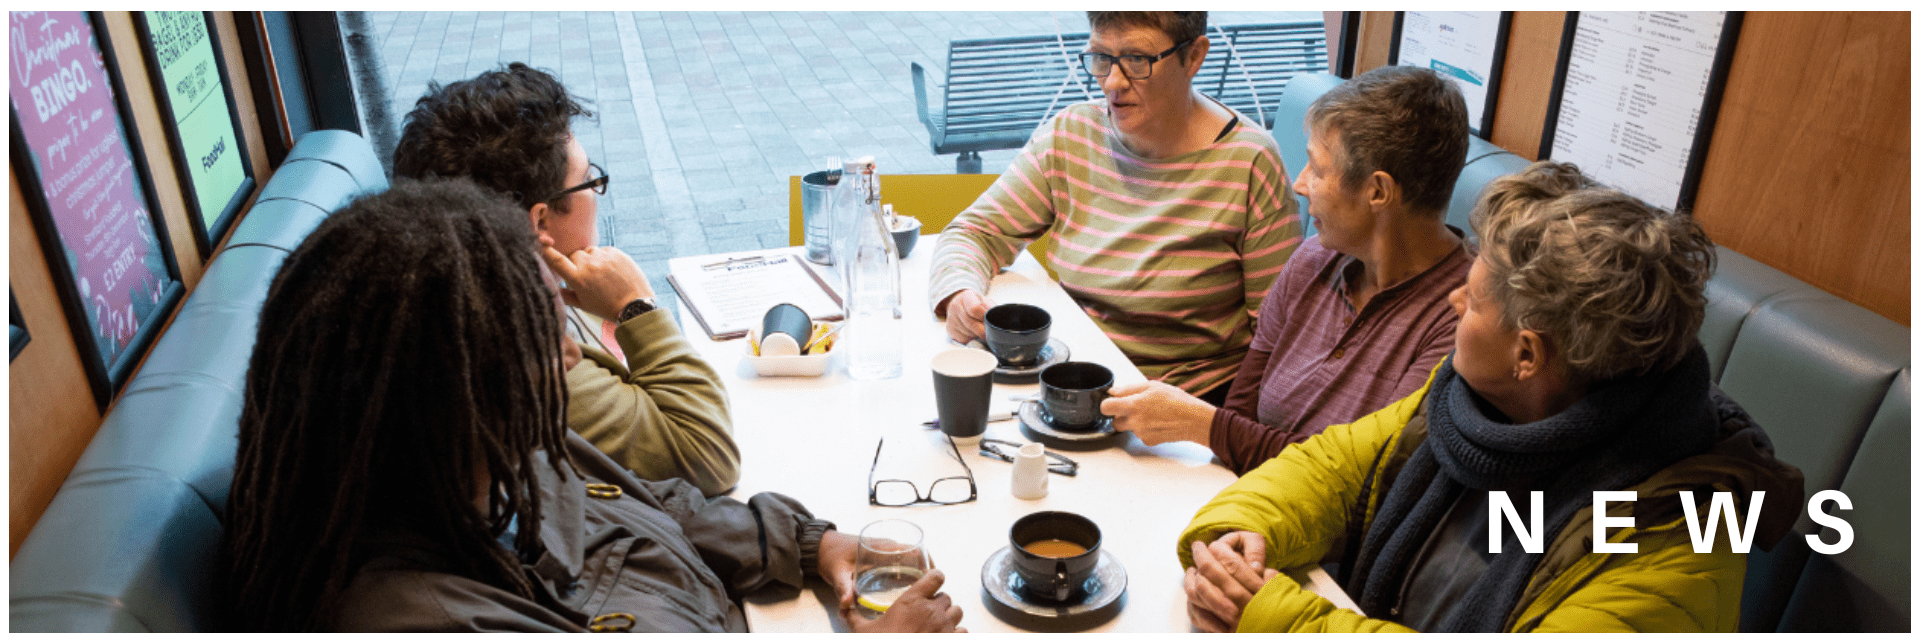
(1575, 371)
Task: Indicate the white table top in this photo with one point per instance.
(813, 439)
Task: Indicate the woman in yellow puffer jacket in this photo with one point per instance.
(1575, 371)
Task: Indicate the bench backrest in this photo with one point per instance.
(994, 84)
(999, 84)
(1249, 64)
(129, 542)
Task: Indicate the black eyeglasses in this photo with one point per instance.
(990, 448)
(598, 184)
(899, 493)
(1137, 67)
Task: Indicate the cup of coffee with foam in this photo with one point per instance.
(1053, 554)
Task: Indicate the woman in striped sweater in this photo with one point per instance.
(1168, 211)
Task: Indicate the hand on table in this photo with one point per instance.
(601, 280)
(1159, 413)
(1224, 577)
(966, 312)
(922, 608)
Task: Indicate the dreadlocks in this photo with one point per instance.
(407, 352)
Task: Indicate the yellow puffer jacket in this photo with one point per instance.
(1302, 500)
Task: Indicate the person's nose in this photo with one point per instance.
(1300, 183)
(1115, 81)
(1457, 298)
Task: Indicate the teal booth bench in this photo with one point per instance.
(129, 541)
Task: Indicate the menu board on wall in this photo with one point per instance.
(207, 148)
(1635, 96)
(91, 203)
(1463, 46)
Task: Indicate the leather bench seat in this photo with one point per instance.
(129, 541)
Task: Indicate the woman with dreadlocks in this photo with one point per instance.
(404, 462)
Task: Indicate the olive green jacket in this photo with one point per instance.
(1321, 494)
(662, 413)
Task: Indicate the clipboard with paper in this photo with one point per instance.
(730, 296)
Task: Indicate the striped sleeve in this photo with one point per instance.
(1273, 231)
(991, 232)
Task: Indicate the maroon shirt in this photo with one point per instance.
(1314, 362)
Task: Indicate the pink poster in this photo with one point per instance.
(63, 104)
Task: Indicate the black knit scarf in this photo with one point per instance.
(1615, 437)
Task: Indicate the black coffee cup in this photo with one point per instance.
(1016, 333)
(1054, 553)
(1070, 394)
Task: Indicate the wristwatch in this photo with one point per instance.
(637, 307)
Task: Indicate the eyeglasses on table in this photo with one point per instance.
(902, 493)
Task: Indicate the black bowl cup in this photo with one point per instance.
(1042, 543)
(1016, 333)
(1070, 394)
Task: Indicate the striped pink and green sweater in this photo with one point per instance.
(1171, 258)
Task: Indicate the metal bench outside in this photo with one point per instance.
(999, 90)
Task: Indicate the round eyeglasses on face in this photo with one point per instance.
(598, 183)
(1137, 67)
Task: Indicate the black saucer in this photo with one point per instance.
(1101, 597)
(1053, 352)
(1033, 420)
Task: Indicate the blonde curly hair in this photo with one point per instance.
(1618, 284)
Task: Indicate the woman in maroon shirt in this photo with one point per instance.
(1359, 316)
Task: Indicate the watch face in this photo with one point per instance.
(637, 307)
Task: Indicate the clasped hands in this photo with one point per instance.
(1225, 575)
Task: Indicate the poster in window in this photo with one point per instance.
(183, 60)
(1634, 98)
(1466, 47)
(87, 191)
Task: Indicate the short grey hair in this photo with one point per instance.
(1406, 121)
(1619, 285)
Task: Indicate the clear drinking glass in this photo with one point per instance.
(890, 559)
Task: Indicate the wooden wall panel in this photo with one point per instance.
(51, 415)
(153, 141)
(1526, 81)
(1376, 41)
(1810, 169)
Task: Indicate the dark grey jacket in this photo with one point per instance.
(657, 557)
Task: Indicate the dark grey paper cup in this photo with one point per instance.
(962, 387)
(789, 319)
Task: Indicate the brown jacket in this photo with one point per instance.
(658, 557)
(661, 412)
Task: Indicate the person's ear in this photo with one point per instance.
(1195, 55)
(538, 217)
(1532, 355)
(1382, 191)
